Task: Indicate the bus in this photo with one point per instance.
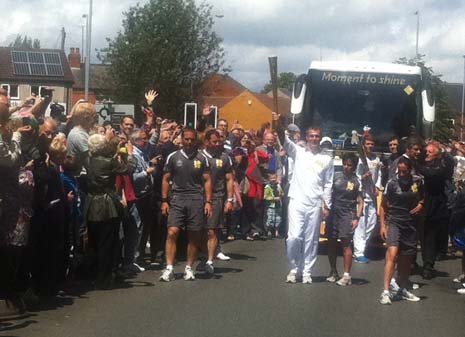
(343, 98)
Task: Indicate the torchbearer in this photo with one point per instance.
(310, 200)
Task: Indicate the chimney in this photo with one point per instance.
(74, 58)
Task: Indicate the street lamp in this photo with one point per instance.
(88, 47)
(83, 30)
(463, 100)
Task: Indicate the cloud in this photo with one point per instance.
(294, 30)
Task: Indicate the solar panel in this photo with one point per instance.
(19, 56)
(54, 70)
(21, 69)
(52, 58)
(38, 69)
(37, 63)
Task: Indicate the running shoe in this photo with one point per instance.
(307, 279)
(167, 275)
(333, 277)
(138, 268)
(291, 277)
(393, 286)
(344, 281)
(461, 291)
(459, 279)
(408, 296)
(385, 298)
(189, 274)
(362, 259)
(209, 269)
(221, 256)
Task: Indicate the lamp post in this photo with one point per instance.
(88, 48)
(417, 13)
(463, 100)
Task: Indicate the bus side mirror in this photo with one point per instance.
(429, 105)
(298, 94)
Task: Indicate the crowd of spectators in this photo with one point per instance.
(80, 200)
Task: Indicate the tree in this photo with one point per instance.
(285, 80)
(167, 45)
(25, 42)
(443, 127)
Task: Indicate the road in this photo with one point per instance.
(248, 297)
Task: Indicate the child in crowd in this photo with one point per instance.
(273, 194)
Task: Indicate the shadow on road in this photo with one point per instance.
(235, 256)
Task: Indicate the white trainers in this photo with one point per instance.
(333, 277)
(459, 279)
(209, 269)
(393, 286)
(344, 281)
(291, 277)
(307, 279)
(461, 291)
(222, 257)
(139, 268)
(408, 296)
(189, 274)
(167, 275)
(385, 298)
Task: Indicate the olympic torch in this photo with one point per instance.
(273, 61)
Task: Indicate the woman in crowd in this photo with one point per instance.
(346, 210)
(403, 201)
(103, 211)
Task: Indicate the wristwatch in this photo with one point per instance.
(208, 202)
(230, 200)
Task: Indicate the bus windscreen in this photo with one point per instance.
(344, 102)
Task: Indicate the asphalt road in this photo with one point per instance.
(248, 297)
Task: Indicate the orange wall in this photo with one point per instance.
(249, 115)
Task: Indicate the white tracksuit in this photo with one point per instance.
(311, 183)
(367, 222)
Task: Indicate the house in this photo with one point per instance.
(27, 71)
(99, 89)
(252, 110)
(237, 103)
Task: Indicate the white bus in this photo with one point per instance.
(343, 97)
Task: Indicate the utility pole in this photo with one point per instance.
(88, 48)
(63, 38)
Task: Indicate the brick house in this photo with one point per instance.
(98, 84)
(237, 103)
(27, 71)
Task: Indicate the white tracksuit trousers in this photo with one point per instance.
(303, 235)
(365, 228)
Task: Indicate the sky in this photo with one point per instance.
(297, 31)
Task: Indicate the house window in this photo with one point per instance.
(12, 90)
(35, 89)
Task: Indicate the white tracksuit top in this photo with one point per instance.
(312, 177)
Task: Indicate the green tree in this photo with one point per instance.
(285, 80)
(25, 42)
(167, 45)
(443, 127)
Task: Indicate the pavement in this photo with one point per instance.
(248, 297)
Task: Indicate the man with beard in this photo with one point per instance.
(222, 185)
(413, 149)
(310, 200)
(437, 171)
(191, 201)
